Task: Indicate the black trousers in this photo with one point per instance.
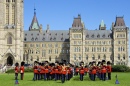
(16, 76)
(22, 75)
(63, 78)
(109, 76)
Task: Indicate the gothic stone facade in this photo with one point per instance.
(77, 44)
(73, 45)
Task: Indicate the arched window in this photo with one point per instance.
(93, 57)
(9, 40)
(123, 56)
(98, 57)
(86, 57)
(118, 56)
(37, 58)
(104, 57)
(79, 57)
(50, 58)
(74, 57)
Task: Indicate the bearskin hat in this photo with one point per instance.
(16, 64)
(22, 63)
(108, 62)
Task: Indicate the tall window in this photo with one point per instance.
(37, 58)
(43, 53)
(98, 57)
(13, 15)
(7, 14)
(13, 0)
(9, 40)
(86, 57)
(93, 57)
(79, 57)
(123, 56)
(118, 56)
(104, 57)
(50, 58)
(74, 57)
(7, 0)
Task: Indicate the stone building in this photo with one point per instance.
(73, 45)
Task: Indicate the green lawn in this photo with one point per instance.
(8, 80)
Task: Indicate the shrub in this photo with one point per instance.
(120, 68)
(26, 70)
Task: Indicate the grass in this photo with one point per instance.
(8, 80)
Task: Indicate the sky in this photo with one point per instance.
(59, 14)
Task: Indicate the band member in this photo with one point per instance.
(109, 70)
(64, 71)
(99, 70)
(46, 72)
(42, 72)
(93, 71)
(56, 71)
(35, 70)
(39, 70)
(81, 72)
(22, 70)
(16, 71)
(104, 70)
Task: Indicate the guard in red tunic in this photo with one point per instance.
(94, 71)
(109, 70)
(35, 70)
(81, 71)
(103, 70)
(22, 70)
(64, 71)
(16, 71)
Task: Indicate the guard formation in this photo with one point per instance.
(18, 70)
(65, 71)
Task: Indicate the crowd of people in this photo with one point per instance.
(65, 71)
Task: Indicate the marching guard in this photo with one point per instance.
(22, 70)
(109, 70)
(16, 70)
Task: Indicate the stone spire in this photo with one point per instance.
(34, 25)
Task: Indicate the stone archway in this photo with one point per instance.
(9, 61)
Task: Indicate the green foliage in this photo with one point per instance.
(26, 70)
(120, 68)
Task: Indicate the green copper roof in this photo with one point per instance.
(102, 23)
(35, 26)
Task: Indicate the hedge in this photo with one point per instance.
(115, 68)
(120, 68)
(26, 70)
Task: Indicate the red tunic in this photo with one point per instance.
(104, 69)
(35, 70)
(22, 69)
(16, 69)
(77, 69)
(109, 69)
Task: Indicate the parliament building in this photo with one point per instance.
(73, 45)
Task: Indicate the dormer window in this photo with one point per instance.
(87, 36)
(43, 39)
(62, 34)
(62, 38)
(98, 36)
(44, 34)
(54, 38)
(25, 39)
(103, 35)
(68, 33)
(32, 39)
(31, 34)
(51, 38)
(25, 34)
(93, 36)
(38, 34)
(36, 39)
(50, 33)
